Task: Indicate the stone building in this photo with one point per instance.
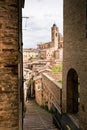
(51, 49)
(11, 78)
(30, 53)
(75, 60)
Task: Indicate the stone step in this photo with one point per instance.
(37, 118)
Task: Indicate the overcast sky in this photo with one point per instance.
(42, 15)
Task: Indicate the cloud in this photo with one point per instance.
(42, 15)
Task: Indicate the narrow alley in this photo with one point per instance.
(37, 118)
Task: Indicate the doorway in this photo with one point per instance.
(72, 92)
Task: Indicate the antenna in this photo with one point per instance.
(25, 17)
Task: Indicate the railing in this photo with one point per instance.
(61, 120)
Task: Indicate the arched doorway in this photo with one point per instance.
(72, 91)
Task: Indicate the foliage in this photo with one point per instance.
(46, 108)
(60, 81)
(30, 82)
(30, 58)
(34, 58)
(57, 67)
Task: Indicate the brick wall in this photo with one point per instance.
(51, 91)
(75, 52)
(9, 60)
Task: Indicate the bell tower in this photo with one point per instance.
(54, 35)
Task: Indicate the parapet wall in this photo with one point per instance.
(52, 91)
(55, 75)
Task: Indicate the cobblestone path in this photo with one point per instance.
(37, 118)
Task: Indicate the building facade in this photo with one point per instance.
(50, 50)
(30, 53)
(75, 60)
(11, 77)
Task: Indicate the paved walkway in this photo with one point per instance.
(37, 118)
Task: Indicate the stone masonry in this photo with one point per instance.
(75, 52)
(52, 91)
(10, 64)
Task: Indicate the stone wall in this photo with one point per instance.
(43, 54)
(52, 91)
(56, 54)
(38, 90)
(75, 52)
(55, 75)
(9, 60)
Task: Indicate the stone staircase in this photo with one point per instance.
(37, 118)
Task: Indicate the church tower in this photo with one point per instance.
(54, 35)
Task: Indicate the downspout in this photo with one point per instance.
(20, 52)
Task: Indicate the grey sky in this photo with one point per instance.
(42, 15)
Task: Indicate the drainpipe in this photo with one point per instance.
(20, 57)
